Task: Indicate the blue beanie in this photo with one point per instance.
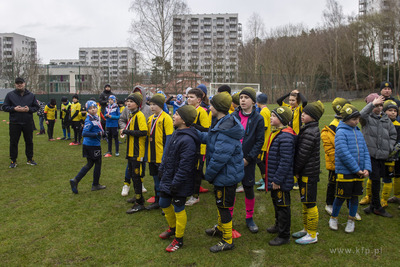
(203, 88)
(262, 99)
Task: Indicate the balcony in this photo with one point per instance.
(220, 22)
(220, 36)
(220, 29)
(177, 29)
(194, 23)
(232, 21)
(177, 23)
(195, 29)
(207, 29)
(207, 22)
(195, 36)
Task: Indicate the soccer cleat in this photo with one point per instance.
(277, 241)
(108, 155)
(74, 186)
(329, 209)
(116, 154)
(349, 226)
(125, 190)
(382, 212)
(251, 225)
(333, 224)
(203, 190)
(299, 234)
(31, 162)
(394, 200)
(260, 182)
(144, 190)
(358, 217)
(367, 210)
(69, 138)
(72, 144)
(174, 246)
(13, 164)
(307, 239)
(98, 187)
(240, 189)
(273, 229)
(52, 139)
(63, 138)
(192, 200)
(261, 188)
(221, 246)
(167, 233)
(153, 206)
(136, 208)
(214, 231)
(365, 200)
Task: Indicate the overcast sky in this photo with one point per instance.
(60, 27)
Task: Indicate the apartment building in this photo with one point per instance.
(207, 44)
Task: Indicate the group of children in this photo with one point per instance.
(232, 135)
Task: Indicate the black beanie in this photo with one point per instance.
(224, 88)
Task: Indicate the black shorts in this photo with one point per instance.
(378, 169)
(65, 123)
(176, 201)
(280, 198)
(249, 175)
(349, 185)
(332, 177)
(390, 169)
(225, 196)
(153, 168)
(135, 168)
(91, 152)
(308, 190)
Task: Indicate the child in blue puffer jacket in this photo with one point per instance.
(92, 133)
(112, 115)
(353, 163)
(225, 166)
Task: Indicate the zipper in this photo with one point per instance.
(358, 149)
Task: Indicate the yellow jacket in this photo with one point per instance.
(328, 140)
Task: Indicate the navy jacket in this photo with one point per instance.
(224, 152)
(281, 160)
(177, 169)
(91, 131)
(14, 99)
(254, 135)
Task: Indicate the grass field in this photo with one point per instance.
(43, 223)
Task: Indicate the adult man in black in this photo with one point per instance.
(386, 90)
(103, 101)
(21, 104)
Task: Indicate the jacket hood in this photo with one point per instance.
(191, 132)
(343, 125)
(230, 126)
(141, 90)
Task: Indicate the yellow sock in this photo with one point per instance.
(305, 213)
(127, 184)
(181, 220)
(170, 216)
(386, 190)
(227, 232)
(295, 179)
(368, 189)
(219, 226)
(396, 187)
(312, 221)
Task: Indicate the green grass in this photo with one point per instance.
(43, 223)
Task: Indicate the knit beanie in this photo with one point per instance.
(236, 99)
(249, 92)
(188, 114)
(315, 110)
(349, 111)
(158, 99)
(338, 103)
(222, 102)
(136, 97)
(390, 104)
(224, 88)
(203, 88)
(262, 99)
(284, 114)
(90, 104)
(386, 84)
(371, 97)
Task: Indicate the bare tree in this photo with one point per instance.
(256, 33)
(152, 27)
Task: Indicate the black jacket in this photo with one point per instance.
(177, 169)
(253, 136)
(307, 160)
(103, 100)
(14, 99)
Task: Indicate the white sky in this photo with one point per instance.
(60, 27)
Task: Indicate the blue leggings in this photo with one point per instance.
(353, 206)
(165, 202)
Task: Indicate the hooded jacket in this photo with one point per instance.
(224, 152)
(91, 130)
(379, 132)
(14, 99)
(177, 169)
(351, 151)
(144, 108)
(328, 139)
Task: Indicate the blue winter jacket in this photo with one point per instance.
(224, 152)
(177, 169)
(91, 129)
(281, 159)
(351, 151)
(115, 114)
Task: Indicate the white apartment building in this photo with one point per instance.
(63, 62)
(14, 48)
(115, 62)
(384, 47)
(207, 44)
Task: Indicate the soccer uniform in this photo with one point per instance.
(50, 115)
(266, 114)
(112, 126)
(65, 116)
(76, 124)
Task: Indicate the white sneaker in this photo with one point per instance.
(144, 190)
(240, 189)
(307, 239)
(329, 209)
(333, 224)
(125, 190)
(192, 200)
(358, 217)
(349, 226)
